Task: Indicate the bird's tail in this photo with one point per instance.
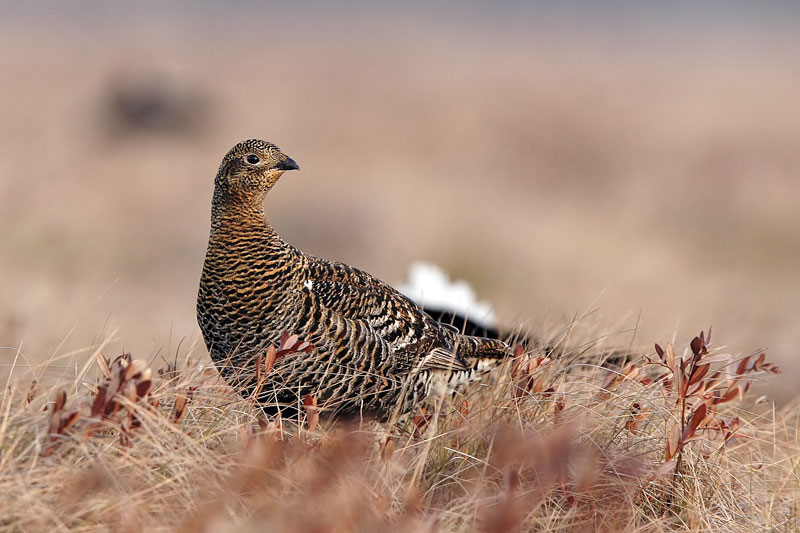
(480, 351)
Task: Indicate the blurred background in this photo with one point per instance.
(637, 161)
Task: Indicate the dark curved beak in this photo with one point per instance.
(287, 164)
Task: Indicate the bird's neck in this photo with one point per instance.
(245, 216)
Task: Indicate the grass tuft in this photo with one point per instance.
(665, 441)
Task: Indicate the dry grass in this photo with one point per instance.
(550, 444)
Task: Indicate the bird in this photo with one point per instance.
(375, 351)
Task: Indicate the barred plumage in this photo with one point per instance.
(372, 343)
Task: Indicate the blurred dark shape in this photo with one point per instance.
(463, 324)
(146, 104)
(468, 326)
(611, 358)
(455, 303)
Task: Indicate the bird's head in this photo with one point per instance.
(250, 169)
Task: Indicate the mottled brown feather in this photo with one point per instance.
(370, 340)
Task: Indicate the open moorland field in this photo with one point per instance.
(603, 187)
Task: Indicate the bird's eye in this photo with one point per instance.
(253, 159)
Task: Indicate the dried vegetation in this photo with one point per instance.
(666, 441)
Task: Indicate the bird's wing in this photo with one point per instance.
(397, 319)
(358, 295)
(441, 359)
(352, 367)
